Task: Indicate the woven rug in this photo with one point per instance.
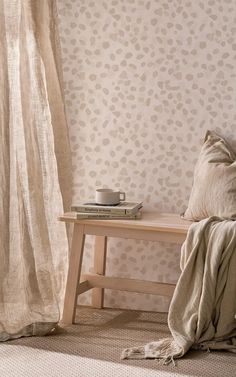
(93, 346)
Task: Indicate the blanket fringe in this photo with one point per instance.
(139, 353)
(133, 353)
(168, 360)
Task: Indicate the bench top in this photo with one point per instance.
(156, 221)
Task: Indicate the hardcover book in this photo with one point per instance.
(123, 208)
(107, 216)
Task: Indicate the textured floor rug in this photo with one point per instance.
(93, 346)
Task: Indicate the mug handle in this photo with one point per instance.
(122, 195)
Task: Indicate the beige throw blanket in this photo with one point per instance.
(203, 307)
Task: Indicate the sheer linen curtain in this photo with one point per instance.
(35, 173)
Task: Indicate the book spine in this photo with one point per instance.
(117, 211)
(99, 210)
(103, 216)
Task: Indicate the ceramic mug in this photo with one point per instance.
(108, 196)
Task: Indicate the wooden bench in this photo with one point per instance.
(153, 226)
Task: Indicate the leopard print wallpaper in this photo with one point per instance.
(143, 81)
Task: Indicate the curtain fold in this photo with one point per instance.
(35, 170)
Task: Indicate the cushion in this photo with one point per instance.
(214, 186)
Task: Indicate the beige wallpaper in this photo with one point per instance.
(143, 82)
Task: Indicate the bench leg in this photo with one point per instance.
(74, 271)
(99, 267)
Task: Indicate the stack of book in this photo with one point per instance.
(123, 210)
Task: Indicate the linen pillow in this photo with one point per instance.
(214, 186)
